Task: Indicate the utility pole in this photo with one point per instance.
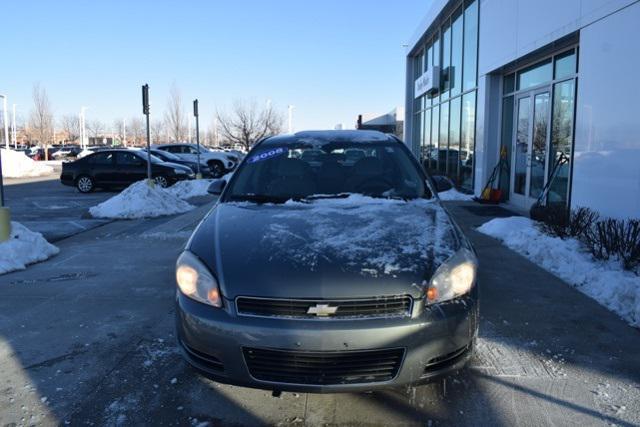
(145, 111)
(13, 128)
(291, 107)
(196, 115)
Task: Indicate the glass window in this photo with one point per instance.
(446, 63)
(509, 83)
(453, 155)
(506, 138)
(535, 75)
(522, 145)
(565, 64)
(418, 67)
(435, 136)
(427, 148)
(455, 75)
(417, 130)
(428, 100)
(538, 160)
(128, 159)
(470, 46)
(101, 159)
(467, 139)
(443, 138)
(561, 140)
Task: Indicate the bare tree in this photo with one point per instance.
(247, 123)
(96, 128)
(41, 121)
(71, 126)
(175, 117)
(118, 130)
(157, 130)
(136, 131)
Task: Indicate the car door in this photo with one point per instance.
(130, 168)
(101, 166)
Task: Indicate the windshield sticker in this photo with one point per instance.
(266, 155)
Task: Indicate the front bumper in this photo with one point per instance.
(436, 341)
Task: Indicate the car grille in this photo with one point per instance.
(388, 306)
(323, 368)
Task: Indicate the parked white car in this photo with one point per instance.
(219, 162)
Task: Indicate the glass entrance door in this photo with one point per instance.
(530, 147)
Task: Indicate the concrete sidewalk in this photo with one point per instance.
(87, 338)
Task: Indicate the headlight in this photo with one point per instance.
(195, 280)
(179, 171)
(455, 277)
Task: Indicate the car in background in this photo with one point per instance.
(193, 165)
(38, 154)
(314, 273)
(120, 168)
(67, 152)
(219, 162)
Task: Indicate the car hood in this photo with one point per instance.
(335, 248)
(177, 166)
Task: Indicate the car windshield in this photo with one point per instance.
(277, 173)
(143, 154)
(165, 155)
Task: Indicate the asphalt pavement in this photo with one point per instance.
(87, 338)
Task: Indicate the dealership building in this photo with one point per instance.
(550, 87)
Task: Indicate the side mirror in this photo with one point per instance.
(216, 187)
(442, 183)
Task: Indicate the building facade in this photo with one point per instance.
(548, 86)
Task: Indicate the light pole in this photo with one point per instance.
(5, 215)
(195, 113)
(145, 111)
(291, 107)
(83, 131)
(13, 128)
(124, 132)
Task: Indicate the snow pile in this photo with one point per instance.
(23, 247)
(380, 236)
(454, 195)
(188, 189)
(16, 164)
(606, 282)
(141, 201)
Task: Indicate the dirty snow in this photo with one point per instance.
(188, 189)
(23, 247)
(141, 201)
(606, 282)
(16, 164)
(454, 195)
(384, 236)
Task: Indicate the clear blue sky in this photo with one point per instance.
(332, 59)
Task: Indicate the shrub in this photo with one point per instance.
(557, 221)
(615, 238)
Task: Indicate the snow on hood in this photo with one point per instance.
(605, 282)
(23, 247)
(454, 195)
(16, 164)
(141, 201)
(379, 236)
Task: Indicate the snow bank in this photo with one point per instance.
(188, 189)
(454, 195)
(606, 282)
(141, 201)
(23, 247)
(16, 164)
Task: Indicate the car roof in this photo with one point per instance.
(322, 137)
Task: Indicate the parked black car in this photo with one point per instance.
(327, 275)
(120, 168)
(165, 156)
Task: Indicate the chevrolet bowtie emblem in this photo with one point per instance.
(322, 310)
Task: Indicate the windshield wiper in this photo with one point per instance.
(258, 198)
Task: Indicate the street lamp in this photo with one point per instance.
(13, 128)
(83, 132)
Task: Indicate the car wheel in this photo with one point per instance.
(217, 169)
(162, 181)
(85, 184)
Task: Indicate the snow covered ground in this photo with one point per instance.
(454, 195)
(23, 247)
(606, 282)
(188, 189)
(141, 201)
(17, 165)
